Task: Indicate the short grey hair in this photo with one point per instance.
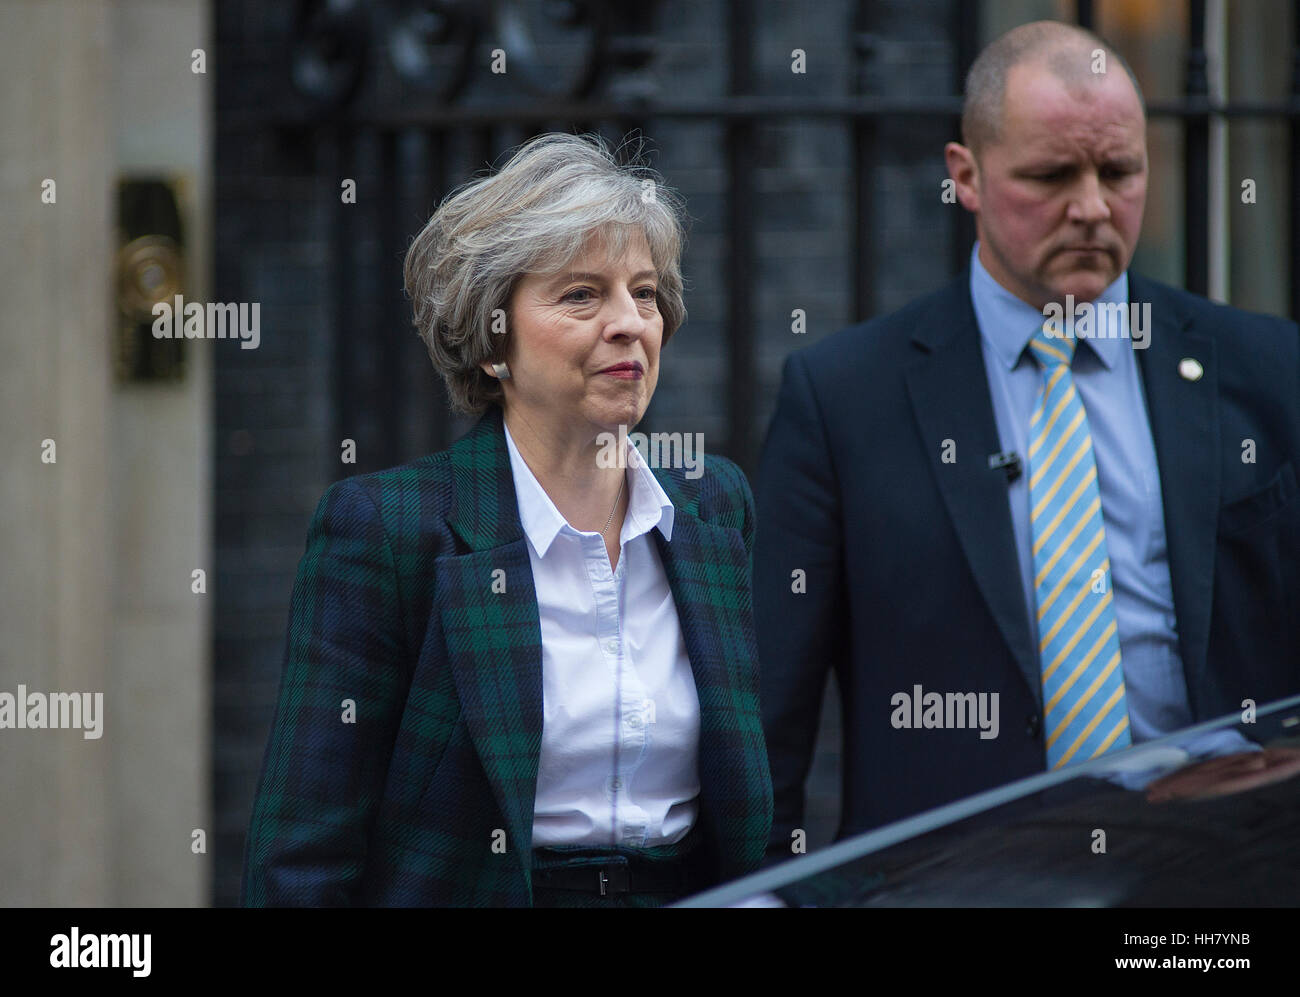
(1065, 50)
(534, 215)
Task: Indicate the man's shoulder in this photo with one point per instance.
(890, 336)
(932, 317)
(1203, 315)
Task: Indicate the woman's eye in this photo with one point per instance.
(578, 295)
(647, 293)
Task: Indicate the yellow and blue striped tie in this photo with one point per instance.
(1084, 704)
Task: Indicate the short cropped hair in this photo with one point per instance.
(1064, 48)
(534, 215)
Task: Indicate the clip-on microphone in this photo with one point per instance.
(1009, 460)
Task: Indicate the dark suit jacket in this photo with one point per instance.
(910, 562)
(394, 608)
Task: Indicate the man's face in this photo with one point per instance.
(1059, 195)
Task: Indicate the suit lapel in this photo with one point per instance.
(1183, 415)
(949, 389)
(488, 608)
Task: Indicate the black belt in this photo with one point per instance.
(614, 878)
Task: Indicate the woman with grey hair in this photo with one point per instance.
(522, 671)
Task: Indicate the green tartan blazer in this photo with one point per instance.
(401, 767)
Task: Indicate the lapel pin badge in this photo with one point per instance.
(1190, 369)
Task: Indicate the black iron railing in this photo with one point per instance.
(432, 46)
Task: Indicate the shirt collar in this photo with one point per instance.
(1008, 323)
(648, 504)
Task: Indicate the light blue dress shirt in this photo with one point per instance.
(1107, 379)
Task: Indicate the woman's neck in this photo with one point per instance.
(567, 467)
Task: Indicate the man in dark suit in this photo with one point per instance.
(1043, 513)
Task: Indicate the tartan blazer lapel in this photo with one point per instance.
(488, 607)
(707, 567)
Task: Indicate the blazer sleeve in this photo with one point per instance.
(342, 691)
(798, 591)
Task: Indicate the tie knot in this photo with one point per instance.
(1052, 348)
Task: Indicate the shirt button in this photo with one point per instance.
(634, 720)
(611, 646)
(616, 784)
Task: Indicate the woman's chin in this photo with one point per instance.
(610, 417)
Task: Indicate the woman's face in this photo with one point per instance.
(584, 347)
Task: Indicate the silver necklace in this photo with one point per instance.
(616, 501)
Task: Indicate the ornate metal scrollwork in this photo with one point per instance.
(561, 50)
(529, 32)
(431, 44)
(328, 54)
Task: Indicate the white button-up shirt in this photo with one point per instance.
(621, 716)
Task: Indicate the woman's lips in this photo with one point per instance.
(625, 371)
